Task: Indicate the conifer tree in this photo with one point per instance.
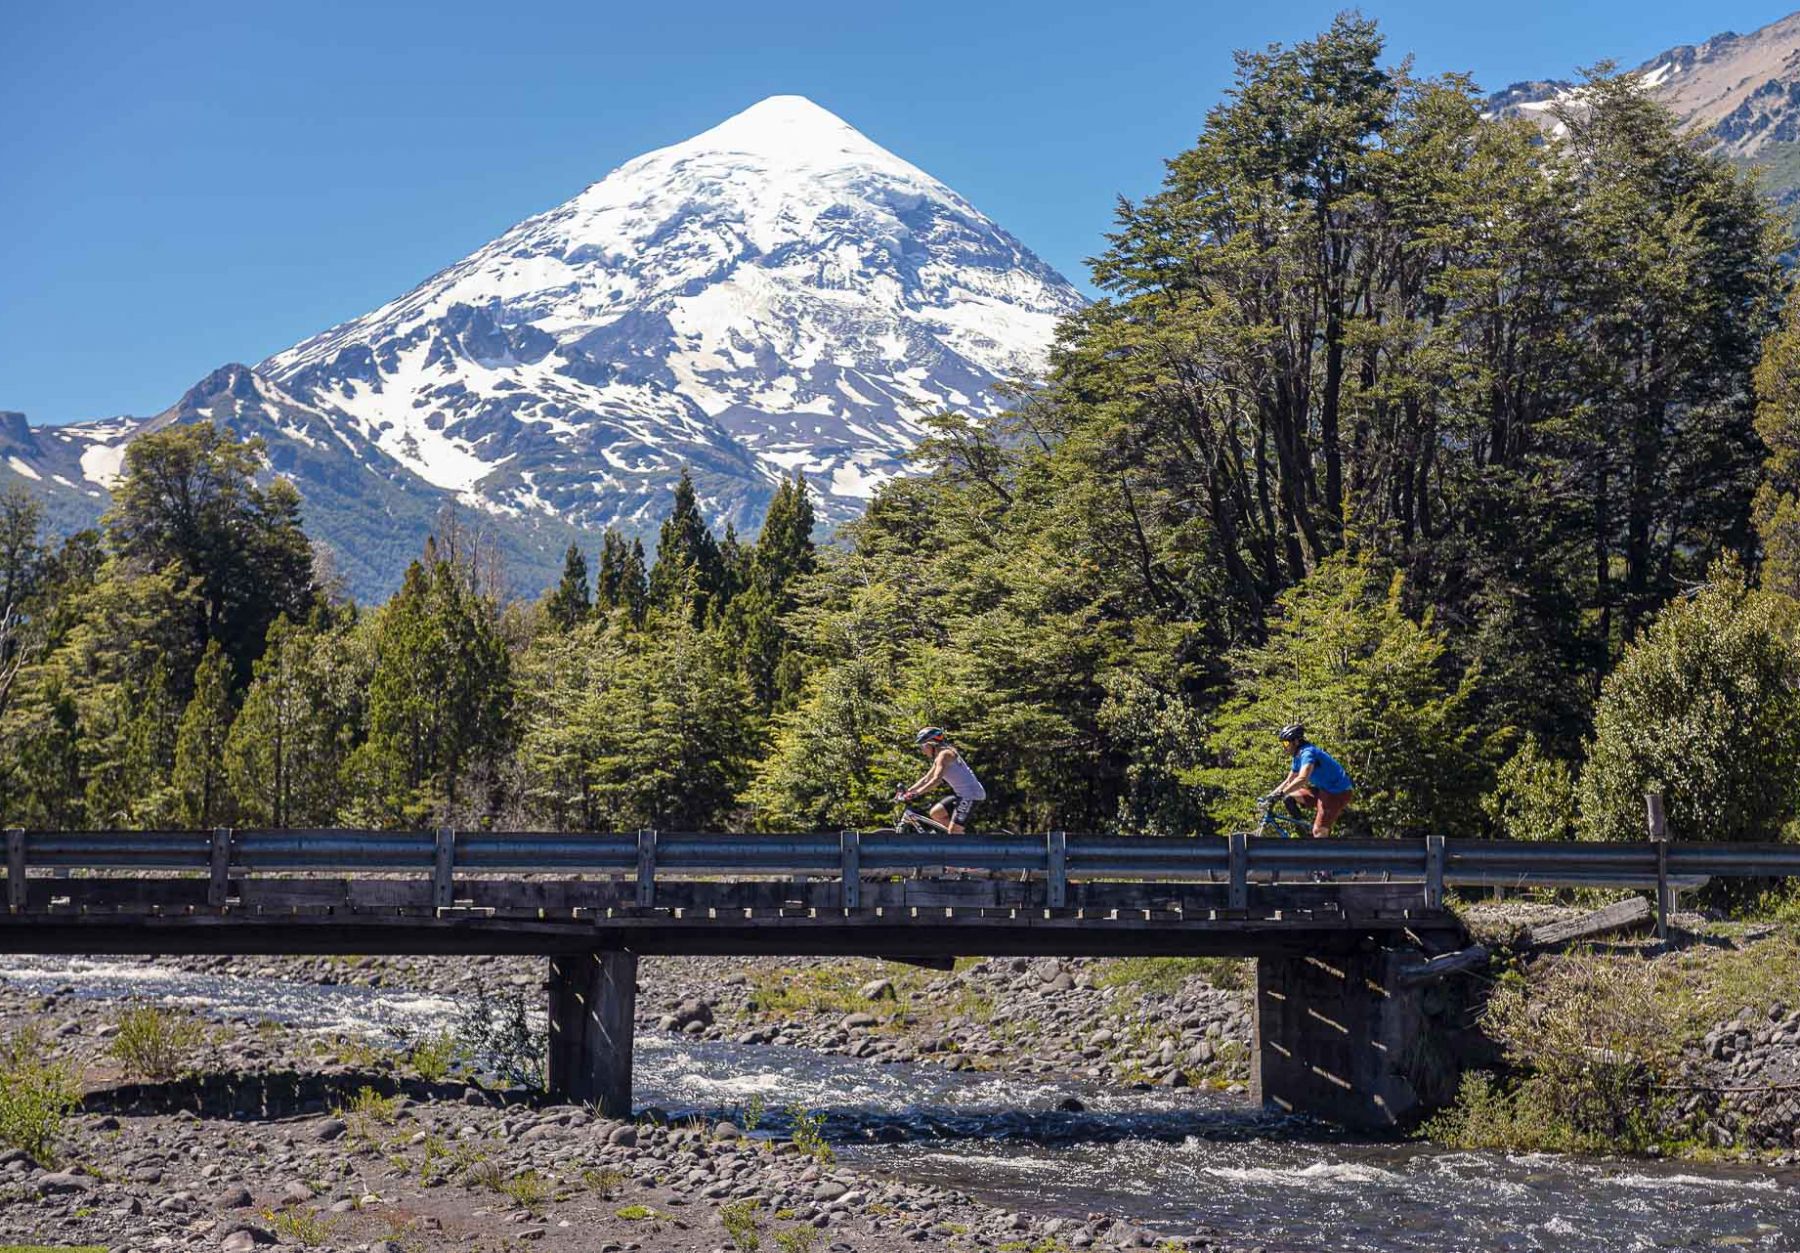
(201, 797)
(689, 573)
(569, 602)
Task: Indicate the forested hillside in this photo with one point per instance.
(1449, 441)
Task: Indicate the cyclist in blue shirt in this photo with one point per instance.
(1315, 779)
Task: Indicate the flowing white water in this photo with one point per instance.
(1173, 1161)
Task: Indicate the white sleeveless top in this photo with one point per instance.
(962, 780)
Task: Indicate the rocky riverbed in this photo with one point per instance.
(1165, 1022)
(279, 1136)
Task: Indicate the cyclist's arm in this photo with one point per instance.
(932, 775)
(1295, 777)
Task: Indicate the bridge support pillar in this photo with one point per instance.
(593, 1002)
(1344, 1038)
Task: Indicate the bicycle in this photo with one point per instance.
(910, 821)
(1289, 825)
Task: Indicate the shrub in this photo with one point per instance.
(36, 1096)
(434, 1057)
(798, 1239)
(155, 1043)
(1705, 708)
(497, 1033)
(739, 1218)
(809, 1134)
(1533, 796)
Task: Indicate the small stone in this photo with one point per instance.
(625, 1137)
(532, 1233)
(296, 1193)
(854, 1021)
(234, 1198)
(877, 990)
(246, 1238)
(829, 1190)
(726, 1131)
(330, 1129)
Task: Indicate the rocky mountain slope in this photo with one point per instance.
(778, 293)
(1744, 90)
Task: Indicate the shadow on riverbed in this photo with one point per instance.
(263, 1094)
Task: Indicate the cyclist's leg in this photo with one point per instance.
(960, 813)
(940, 813)
(1331, 808)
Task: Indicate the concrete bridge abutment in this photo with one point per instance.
(592, 1010)
(1356, 1038)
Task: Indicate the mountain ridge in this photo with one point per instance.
(776, 294)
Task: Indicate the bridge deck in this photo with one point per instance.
(895, 917)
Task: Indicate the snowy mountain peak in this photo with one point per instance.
(777, 293)
(789, 131)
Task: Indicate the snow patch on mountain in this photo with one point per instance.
(776, 293)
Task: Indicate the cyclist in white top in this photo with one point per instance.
(949, 768)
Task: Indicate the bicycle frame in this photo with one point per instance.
(1269, 822)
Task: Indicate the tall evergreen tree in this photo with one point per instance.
(569, 602)
(202, 799)
(438, 698)
(690, 571)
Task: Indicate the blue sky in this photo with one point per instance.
(185, 184)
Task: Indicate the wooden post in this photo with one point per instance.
(646, 875)
(1434, 872)
(443, 868)
(593, 1001)
(1238, 853)
(1659, 835)
(218, 890)
(15, 869)
(850, 856)
(1056, 870)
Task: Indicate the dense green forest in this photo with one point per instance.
(1478, 453)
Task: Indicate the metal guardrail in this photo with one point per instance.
(1056, 858)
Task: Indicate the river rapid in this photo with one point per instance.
(1170, 1161)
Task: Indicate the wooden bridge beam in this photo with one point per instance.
(593, 1004)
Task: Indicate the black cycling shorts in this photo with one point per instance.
(961, 810)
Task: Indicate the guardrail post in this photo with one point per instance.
(443, 869)
(1434, 872)
(646, 876)
(220, 886)
(15, 869)
(1056, 870)
(1238, 852)
(1659, 835)
(850, 852)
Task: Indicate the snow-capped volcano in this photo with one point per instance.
(777, 293)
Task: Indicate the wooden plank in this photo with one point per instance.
(1056, 879)
(1238, 855)
(219, 885)
(15, 869)
(442, 868)
(1434, 872)
(850, 857)
(646, 868)
(1475, 957)
(1628, 915)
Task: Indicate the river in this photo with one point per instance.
(1171, 1161)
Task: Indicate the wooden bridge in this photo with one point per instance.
(1348, 933)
